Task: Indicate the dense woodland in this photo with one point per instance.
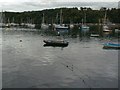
(74, 15)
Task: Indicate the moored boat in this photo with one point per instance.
(84, 27)
(105, 24)
(111, 46)
(61, 27)
(94, 35)
(56, 42)
(43, 25)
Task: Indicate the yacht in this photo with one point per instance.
(105, 26)
(43, 25)
(84, 27)
(61, 27)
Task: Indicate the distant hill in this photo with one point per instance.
(69, 14)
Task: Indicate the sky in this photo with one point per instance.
(35, 5)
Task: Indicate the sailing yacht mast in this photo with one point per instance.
(105, 18)
(43, 25)
(1, 20)
(43, 20)
(61, 28)
(85, 19)
(82, 21)
(61, 17)
(84, 27)
(57, 18)
(1, 17)
(105, 26)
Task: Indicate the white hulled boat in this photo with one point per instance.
(105, 26)
(61, 27)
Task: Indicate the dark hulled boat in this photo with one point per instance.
(61, 43)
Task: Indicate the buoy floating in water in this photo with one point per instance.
(20, 40)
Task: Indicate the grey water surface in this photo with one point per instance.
(26, 63)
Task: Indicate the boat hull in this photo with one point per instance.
(85, 28)
(55, 43)
(111, 46)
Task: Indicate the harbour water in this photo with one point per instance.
(26, 63)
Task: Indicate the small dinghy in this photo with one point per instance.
(60, 43)
(111, 46)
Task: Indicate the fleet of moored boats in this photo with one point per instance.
(61, 28)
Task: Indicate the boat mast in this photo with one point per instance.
(43, 19)
(82, 21)
(105, 18)
(1, 17)
(57, 18)
(61, 17)
(85, 19)
(8, 21)
(13, 20)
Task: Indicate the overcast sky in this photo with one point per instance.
(29, 5)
